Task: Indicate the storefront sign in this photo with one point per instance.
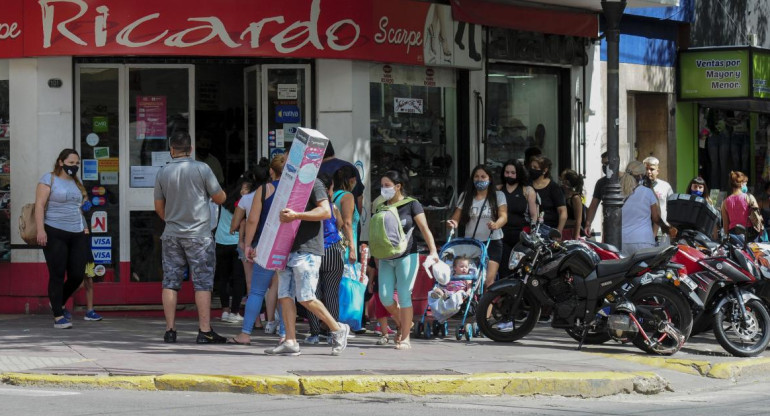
(100, 125)
(287, 114)
(90, 169)
(412, 75)
(714, 74)
(761, 76)
(92, 139)
(110, 164)
(407, 105)
(101, 152)
(151, 117)
(287, 91)
(400, 31)
(143, 176)
(99, 222)
(108, 178)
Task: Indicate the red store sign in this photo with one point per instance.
(391, 31)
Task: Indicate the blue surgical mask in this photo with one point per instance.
(481, 185)
(744, 189)
(697, 193)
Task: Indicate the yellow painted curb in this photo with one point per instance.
(733, 370)
(231, 384)
(586, 384)
(694, 367)
(103, 382)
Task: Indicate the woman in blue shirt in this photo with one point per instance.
(343, 199)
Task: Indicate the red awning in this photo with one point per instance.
(531, 19)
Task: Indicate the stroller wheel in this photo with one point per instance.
(459, 332)
(445, 331)
(427, 334)
(476, 332)
(468, 332)
(419, 328)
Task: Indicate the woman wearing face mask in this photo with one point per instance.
(553, 205)
(62, 232)
(640, 211)
(483, 211)
(572, 185)
(399, 274)
(737, 206)
(521, 202)
(698, 187)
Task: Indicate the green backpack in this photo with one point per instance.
(387, 239)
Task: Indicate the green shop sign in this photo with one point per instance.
(761, 77)
(714, 74)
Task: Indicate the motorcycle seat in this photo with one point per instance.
(609, 267)
(604, 246)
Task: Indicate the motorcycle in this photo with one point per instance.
(627, 299)
(727, 278)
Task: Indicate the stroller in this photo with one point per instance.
(443, 309)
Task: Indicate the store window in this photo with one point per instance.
(413, 129)
(724, 145)
(522, 112)
(5, 172)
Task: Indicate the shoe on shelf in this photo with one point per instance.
(225, 316)
(340, 339)
(210, 337)
(284, 349)
(92, 316)
(504, 326)
(312, 340)
(170, 336)
(271, 327)
(62, 323)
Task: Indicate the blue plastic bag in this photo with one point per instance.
(351, 296)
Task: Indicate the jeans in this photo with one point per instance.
(740, 152)
(719, 154)
(260, 282)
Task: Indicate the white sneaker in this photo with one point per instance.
(235, 318)
(504, 326)
(225, 316)
(271, 327)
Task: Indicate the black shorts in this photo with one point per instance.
(495, 250)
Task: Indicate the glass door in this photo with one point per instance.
(285, 106)
(160, 101)
(251, 116)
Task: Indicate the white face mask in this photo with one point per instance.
(388, 193)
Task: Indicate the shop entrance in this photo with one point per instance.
(650, 129)
(125, 114)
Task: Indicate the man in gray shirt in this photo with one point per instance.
(182, 192)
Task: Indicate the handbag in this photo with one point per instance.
(27, 224)
(351, 296)
(755, 220)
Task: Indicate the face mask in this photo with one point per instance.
(71, 170)
(388, 193)
(744, 189)
(604, 169)
(511, 181)
(535, 173)
(481, 185)
(697, 193)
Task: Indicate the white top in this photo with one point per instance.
(245, 202)
(662, 191)
(483, 232)
(637, 214)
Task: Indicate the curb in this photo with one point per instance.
(725, 371)
(580, 384)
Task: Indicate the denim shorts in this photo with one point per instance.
(199, 254)
(300, 278)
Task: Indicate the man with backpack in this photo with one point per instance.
(300, 278)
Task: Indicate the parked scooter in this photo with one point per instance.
(629, 299)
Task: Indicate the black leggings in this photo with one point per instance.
(230, 269)
(68, 253)
(328, 290)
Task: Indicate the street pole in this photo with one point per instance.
(613, 198)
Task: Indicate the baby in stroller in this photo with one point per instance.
(445, 301)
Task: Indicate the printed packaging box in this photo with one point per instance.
(293, 192)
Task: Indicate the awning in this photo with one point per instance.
(531, 19)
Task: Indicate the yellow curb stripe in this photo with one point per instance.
(734, 370)
(694, 367)
(584, 384)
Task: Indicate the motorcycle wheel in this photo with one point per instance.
(592, 338)
(662, 304)
(743, 339)
(501, 305)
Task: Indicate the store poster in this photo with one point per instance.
(761, 81)
(151, 117)
(714, 74)
(90, 169)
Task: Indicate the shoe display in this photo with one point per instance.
(92, 316)
(62, 323)
(284, 349)
(312, 339)
(340, 339)
(271, 327)
(210, 337)
(169, 337)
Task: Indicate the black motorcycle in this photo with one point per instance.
(629, 299)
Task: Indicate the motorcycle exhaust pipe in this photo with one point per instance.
(668, 330)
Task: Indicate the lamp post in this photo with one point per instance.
(613, 198)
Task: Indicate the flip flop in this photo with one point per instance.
(404, 345)
(235, 341)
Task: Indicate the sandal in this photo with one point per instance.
(382, 341)
(397, 340)
(236, 342)
(404, 345)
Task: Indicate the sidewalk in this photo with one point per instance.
(130, 353)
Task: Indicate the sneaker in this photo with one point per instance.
(66, 314)
(210, 337)
(312, 339)
(170, 336)
(378, 329)
(271, 327)
(284, 349)
(504, 326)
(92, 316)
(225, 316)
(62, 323)
(340, 339)
(235, 318)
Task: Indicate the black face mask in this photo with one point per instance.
(511, 181)
(535, 173)
(604, 169)
(71, 170)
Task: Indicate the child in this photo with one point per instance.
(445, 302)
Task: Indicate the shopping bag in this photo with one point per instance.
(351, 296)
